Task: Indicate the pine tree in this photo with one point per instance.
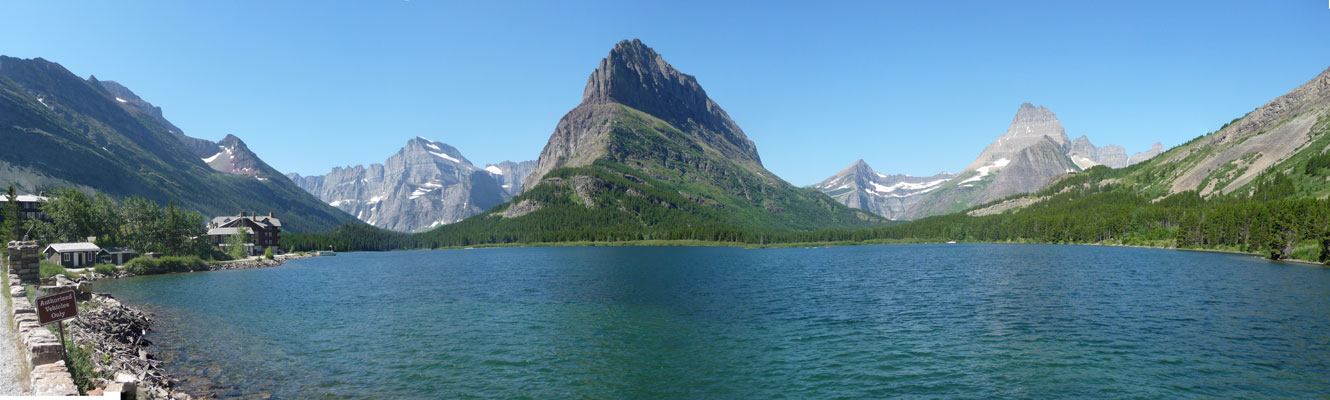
(10, 229)
(1325, 247)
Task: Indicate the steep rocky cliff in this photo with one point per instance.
(511, 174)
(1030, 125)
(648, 154)
(636, 77)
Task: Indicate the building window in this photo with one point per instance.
(65, 256)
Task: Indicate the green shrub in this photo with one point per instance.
(267, 253)
(48, 270)
(1307, 250)
(164, 265)
(104, 269)
(81, 367)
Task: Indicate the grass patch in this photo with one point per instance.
(81, 367)
(1306, 250)
(48, 270)
(164, 265)
(105, 269)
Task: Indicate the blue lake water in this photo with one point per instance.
(944, 321)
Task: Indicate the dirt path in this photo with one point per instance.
(12, 381)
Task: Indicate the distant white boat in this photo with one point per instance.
(325, 253)
(951, 242)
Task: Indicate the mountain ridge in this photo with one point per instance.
(423, 185)
(62, 130)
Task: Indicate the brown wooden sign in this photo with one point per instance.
(57, 307)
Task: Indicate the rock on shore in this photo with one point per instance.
(116, 333)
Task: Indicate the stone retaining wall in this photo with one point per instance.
(22, 261)
(41, 349)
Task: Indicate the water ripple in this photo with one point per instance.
(929, 321)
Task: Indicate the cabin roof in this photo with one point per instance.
(72, 247)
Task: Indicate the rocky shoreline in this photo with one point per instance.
(115, 334)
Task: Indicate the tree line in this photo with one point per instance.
(1266, 222)
(136, 223)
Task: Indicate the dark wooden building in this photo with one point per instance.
(116, 255)
(264, 232)
(29, 207)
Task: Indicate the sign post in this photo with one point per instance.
(57, 308)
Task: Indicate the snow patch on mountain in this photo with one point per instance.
(988, 169)
(424, 189)
(446, 157)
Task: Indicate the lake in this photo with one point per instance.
(944, 321)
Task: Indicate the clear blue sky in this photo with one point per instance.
(911, 88)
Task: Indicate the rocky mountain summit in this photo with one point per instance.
(1155, 149)
(1086, 155)
(1034, 150)
(647, 154)
(230, 155)
(859, 186)
(636, 77)
(425, 185)
(1030, 125)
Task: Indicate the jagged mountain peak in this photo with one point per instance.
(1030, 113)
(635, 77)
(859, 165)
(232, 156)
(859, 186)
(427, 183)
(1027, 128)
(632, 68)
(439, 151)
(648, 145)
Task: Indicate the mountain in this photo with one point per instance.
(512, 174)
(1034, 151)
(1260, 184)
(62, 130)
(1277, 151)
(647, 154)
(1029, 127)
(1086, 155)
(1155, 149)
(424, 185)
(1273, 138)
(860, 187)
